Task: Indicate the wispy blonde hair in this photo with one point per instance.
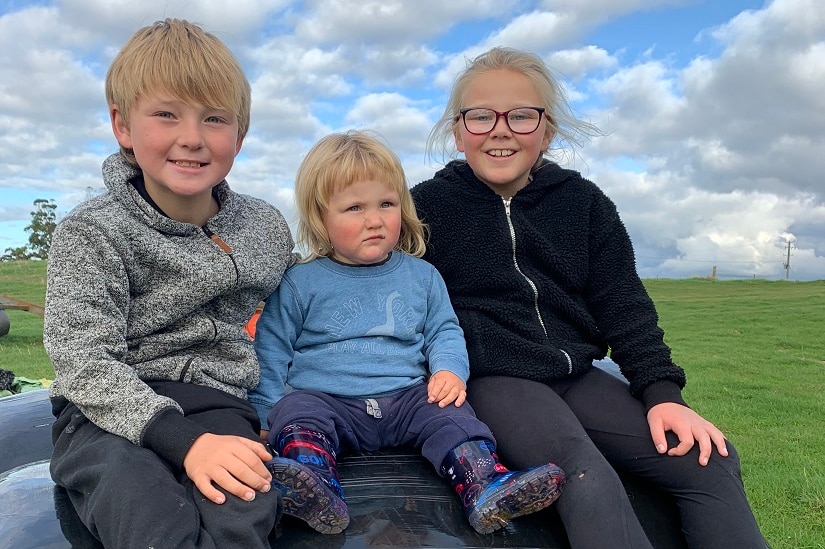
(179, 58)
(333, 164)
(562, 124)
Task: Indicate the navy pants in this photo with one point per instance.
(128, 497)
(406, 419)
(591, 426)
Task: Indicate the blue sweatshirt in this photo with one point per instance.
(356, 331)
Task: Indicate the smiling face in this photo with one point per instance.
(363, 222)
(183, 149)
(502, 159)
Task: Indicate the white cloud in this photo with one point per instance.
(390, 22)
(711, 157)
(576, 64)
(395, 117)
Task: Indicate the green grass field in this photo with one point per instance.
(21, 351)
(755, 360)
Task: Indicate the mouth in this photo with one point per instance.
(188, 164)
(501, 152)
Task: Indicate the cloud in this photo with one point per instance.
(390, 22)
(712, 149)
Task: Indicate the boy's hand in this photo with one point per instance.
(445, 387)
(234, 463)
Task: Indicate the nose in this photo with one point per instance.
(372, 219)
(501, 126)
(190, 135)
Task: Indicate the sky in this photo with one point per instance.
(712, 112)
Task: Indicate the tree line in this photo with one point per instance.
(41, 228)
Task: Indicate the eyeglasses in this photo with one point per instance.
(521, 120)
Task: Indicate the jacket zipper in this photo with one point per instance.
(223, 246)
(529, 280)
(217, 240)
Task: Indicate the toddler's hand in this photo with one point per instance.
(445, 388)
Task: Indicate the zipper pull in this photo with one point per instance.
(217, 240)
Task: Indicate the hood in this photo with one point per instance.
(117, 174)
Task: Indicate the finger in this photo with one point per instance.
(720, 441)
(686, 442)
(462, 396)
(261, 478)
(434, 389)
(657, 433)
(717, 438)
(251, 477)
(253, 462)
(260, 450)
(209, 492)
(705, 447)
(448, 398)
(230, 483)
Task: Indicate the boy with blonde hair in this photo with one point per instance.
(149, 288)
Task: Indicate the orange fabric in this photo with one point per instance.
(250, 326)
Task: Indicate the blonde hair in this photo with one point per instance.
(333, 164)
(179, 58)
(562, 125)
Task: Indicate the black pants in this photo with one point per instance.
(128, 497)
(590, 425)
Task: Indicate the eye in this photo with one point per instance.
(480, 115)
(164, 114)
(354, 208)
(523, 114)
(216, 120)
(387, 204)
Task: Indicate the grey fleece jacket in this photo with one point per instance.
(134, 296)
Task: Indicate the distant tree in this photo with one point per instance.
(12, 254)
(43, 223)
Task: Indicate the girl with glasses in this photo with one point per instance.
(541, 274)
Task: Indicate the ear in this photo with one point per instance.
(238, 145)
(459, 141)
(548, 138)
(120, 128)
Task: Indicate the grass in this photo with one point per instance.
(755, 360)
(21, 351)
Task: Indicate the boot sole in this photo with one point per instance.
(533, 491)
(306, 497)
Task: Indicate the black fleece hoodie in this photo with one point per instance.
(546, 282)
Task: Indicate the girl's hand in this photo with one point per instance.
(444, 388)
(689, 426)
(234, 463)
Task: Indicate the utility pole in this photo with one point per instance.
(787, 264)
